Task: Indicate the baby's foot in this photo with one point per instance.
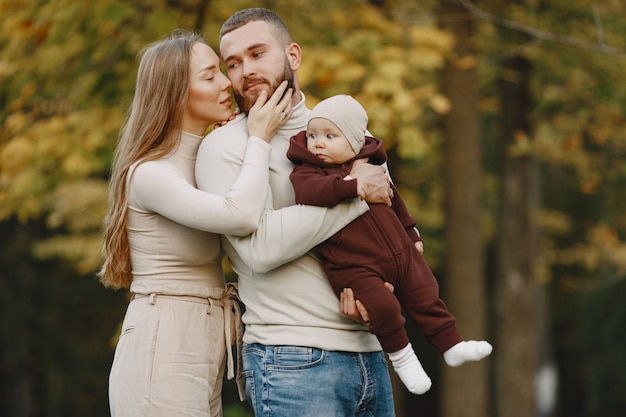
(470, 350)
(410, 370)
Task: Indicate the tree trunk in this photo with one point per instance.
(465, 389)
(516, 292)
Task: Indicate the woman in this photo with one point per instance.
(161, 233)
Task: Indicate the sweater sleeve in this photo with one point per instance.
(161, 187)
(282, 234)
(288, 233)
(313, 186)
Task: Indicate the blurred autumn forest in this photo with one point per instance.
(505, 125)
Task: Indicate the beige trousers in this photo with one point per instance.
(170, 357)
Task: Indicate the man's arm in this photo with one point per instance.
(282, 235)
(288, 233)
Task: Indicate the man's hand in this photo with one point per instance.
(354, 308)
(372, 182)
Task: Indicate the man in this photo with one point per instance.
(302, 356)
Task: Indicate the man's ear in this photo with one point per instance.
(294, 55)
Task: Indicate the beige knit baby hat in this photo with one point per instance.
(347, 114)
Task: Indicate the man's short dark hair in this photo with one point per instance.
(245, 16)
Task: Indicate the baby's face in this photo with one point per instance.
(326, 141)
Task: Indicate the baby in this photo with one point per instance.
(378, 247)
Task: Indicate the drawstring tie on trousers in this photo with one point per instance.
(233, 326)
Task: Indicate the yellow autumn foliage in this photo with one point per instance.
(67, 72)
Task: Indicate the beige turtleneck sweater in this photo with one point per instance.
(172, 225)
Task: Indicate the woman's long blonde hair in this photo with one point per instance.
(151, 131)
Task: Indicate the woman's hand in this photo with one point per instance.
(267, 116)
(354, 308)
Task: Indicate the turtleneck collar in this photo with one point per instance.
(189, 144)
(298, 119)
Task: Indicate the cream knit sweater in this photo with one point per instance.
(287, 296)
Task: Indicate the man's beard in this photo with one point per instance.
(245, 103)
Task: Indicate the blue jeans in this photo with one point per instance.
(287, 381)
